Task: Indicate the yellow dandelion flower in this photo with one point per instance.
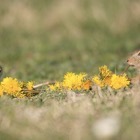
(104, 77)
(96, 79)
(29, 85)
(104, 71)
(56, 86)
(118, 81)
(73, 81)
(11, 86)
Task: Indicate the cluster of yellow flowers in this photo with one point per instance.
(73, 81)
(108, 78)
(13, 87)
(81, 81)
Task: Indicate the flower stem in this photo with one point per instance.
(125, 69)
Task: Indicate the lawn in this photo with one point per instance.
(41, 41)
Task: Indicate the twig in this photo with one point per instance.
(43, 84)
(34, 91)
(27, 90)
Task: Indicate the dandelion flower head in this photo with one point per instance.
(11, 86)
(73, 81)
(118, 81)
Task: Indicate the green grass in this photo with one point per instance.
(42, 40)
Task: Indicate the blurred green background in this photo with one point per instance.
(44, 39)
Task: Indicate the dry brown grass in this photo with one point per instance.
(74, 118)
